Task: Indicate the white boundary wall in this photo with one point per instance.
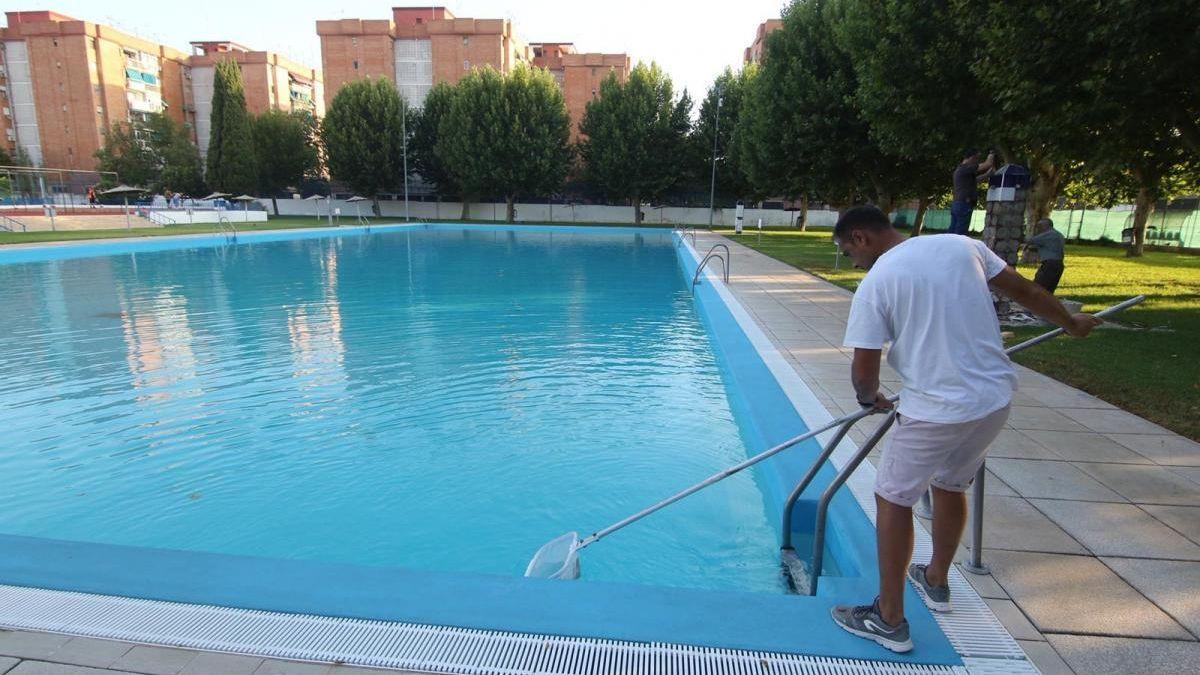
(557, 213)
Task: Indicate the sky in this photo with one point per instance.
(692, 41)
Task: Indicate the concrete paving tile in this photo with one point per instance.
(1014, 444)
(1057, 480)
(82, 651)
(1014, 524)
(1172, 450)
(1038, 417)
(1173, 585)
(47, 668)
(274, 667)
(1013, 620)
(1064, 396)
(155, 660)
(1043, 656)
(6, 664)
(1118, 530)
(1078, 594)
(1113, 421)
(1086, 446)
(1191, 473)
(1182, 519)
(213, 663)
(984, 584)
(30, 645)
(1145, 484)
(1095, 655)
(994, 487)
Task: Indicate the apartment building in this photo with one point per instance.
(754, 53)
(67, 81)
(63, 82)
(271, 82)
(420, 46)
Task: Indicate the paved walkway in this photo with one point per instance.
(1092, 525)
(1092, 514)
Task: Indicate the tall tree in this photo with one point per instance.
(285, 139)
(231, 164)
(128, 156)
(363, 135)
(423, 143)
(506, 135)
(801, 131)
(1110, 85)
(718, 122)
(635, 136)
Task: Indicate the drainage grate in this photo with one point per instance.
(400, 645)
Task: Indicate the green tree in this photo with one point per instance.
(231, 164)
(506, 135)
(801, 132)
(285, 139)
(363, 136)
(635, 137)
(129, 156)
(5, 158)
(1110, 86)
(422, 145)
(731, 182)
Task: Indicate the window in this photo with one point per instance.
(466, 40)
(354, 41)
(356, 64)
(466, 64)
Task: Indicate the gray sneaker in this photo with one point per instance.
(936, 598)
(865, 622)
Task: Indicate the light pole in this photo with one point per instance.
(712, 186)
(404, 133)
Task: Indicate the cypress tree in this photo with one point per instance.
(231, 165)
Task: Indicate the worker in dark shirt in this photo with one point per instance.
(966, 182)
(1049, 244)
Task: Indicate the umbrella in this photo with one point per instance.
(124, 190)
(215, 195)
(317, 199)
(356, 199)
(245, 200)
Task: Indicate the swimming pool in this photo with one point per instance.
(386, 425)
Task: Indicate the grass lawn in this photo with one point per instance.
(1153, 371)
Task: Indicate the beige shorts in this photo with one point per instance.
(946, 455)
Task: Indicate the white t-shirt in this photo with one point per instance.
(929, 298)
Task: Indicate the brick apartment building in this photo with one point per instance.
(63, 82)
(271, 81)
(420, 46)
(754, 53)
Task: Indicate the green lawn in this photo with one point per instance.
(1152, 370)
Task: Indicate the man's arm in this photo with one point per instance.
(1037, 300)
(864, 376)
(985, 167)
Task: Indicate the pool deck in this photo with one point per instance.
(1092, 525)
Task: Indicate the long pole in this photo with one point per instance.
(404, 133)
(712, 184)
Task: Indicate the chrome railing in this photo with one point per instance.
(713, 255)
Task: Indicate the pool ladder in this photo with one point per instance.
(684, 231)
(804, 574)
(225, 227)
(713, 255)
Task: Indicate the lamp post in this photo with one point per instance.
(712, 186)
(404, 134)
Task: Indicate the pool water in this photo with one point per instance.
(439, 399)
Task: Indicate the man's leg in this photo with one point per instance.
(949, 520)
(894, 533)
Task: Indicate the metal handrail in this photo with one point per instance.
(226, 227)
(156, 216)
(709, 256)
(683, 232)
(7, 224)
(362, 220)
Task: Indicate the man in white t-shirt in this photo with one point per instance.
(929, 298)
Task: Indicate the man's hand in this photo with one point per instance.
(881, 402)
(1081, 325)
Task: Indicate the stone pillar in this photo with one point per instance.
(1003, 232)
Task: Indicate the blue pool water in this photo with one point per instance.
(442, 399)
